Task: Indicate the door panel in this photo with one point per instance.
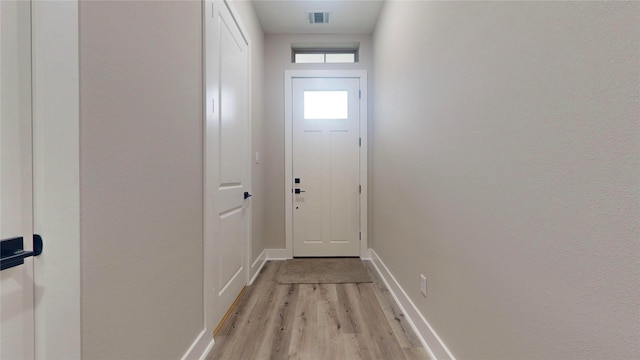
(232, 85)
(231, 255)
(340, 206)
(227, 154)
(326, 160)
(309, 206)
(16, 199)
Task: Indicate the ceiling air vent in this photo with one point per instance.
(318, 17)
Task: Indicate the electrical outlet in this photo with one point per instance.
(423, 285)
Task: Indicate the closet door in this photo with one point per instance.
(227, 159)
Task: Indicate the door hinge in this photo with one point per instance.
(359, 141)
(359, 94)
(360, 189)
(360, 235)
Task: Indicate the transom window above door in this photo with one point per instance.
(311, 56)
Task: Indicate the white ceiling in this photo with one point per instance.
(290, 16)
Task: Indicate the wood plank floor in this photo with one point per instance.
(316, 322)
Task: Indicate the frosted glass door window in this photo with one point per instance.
(326, 105)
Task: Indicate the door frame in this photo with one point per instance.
(289, 75)
(56, 177)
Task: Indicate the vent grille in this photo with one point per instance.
(318, 17)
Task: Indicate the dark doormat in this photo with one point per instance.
(323, 271)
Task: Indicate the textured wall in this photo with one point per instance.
(277, 60)
(141, 178)
(506, 167)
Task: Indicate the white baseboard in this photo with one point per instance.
(278, 254)
(430, 340)
(200, 347)
(257, 266)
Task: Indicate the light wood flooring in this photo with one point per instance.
(316, 322)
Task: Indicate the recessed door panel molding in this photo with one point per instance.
(233, 78)
(343, 185)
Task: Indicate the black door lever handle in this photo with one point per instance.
(298, 191)
(247, 195)
(13, 253)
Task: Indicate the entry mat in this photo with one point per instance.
(323, 271)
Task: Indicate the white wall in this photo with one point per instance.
(141, 178)
(505, 168)
(141, 174)
(277, 60)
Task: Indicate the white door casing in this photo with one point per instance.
(290, 77)
(17, 337)
(227, 162)
(48, 153)
(325, 167)
(56, 148)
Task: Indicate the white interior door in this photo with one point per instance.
(326, 211)
(227, 154)
(16, 190)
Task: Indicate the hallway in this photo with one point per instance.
(496, 182)
(316, 322)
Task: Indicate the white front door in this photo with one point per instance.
(326, 132)
(227, 154)
(16, 190)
